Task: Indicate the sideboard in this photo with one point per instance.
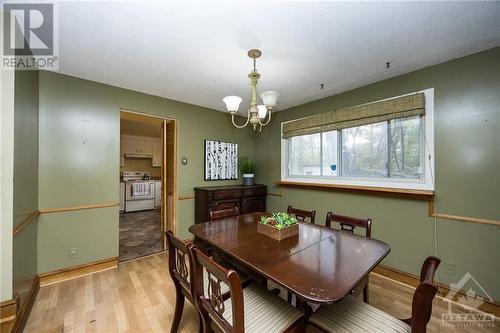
(248, 199)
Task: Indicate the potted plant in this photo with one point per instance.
(247, 168)
(278, 226)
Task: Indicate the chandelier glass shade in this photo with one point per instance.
(257, 113)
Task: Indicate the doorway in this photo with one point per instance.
(148, 178)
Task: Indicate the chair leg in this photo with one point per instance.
(289, 297)
(179, 307)
(366, 296)
(200, 330)
(205, 323)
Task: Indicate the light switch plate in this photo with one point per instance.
(449, 267)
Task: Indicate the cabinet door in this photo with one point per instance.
(137, 145)
(157, 153)
(253, 204)
(226, 204)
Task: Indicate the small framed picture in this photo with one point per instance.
(221, 160)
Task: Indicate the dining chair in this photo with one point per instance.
(180, 267)
(301, 215)
(366, 318)
(250, 310)
(348, 223)
(223, 213)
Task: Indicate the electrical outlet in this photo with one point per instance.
(449, 267)
(73, 253)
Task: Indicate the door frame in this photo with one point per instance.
(168, 171)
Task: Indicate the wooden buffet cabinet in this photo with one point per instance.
(248, 199)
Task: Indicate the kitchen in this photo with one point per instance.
(140, 186)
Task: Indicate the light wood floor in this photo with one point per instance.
(138, 296)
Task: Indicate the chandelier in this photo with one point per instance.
(257, 113)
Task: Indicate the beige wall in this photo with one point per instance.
(467, 139)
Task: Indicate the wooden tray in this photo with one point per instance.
(278, 234)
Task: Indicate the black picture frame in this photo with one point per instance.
(221, 160)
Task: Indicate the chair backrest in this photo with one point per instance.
(348, 223)
(223, 213)
(429, 268)
(301, 215)
(212, 306)
(179, 264)
(421, 308)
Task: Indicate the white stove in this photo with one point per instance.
(139, 191)
(131, 176)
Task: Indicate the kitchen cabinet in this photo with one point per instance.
(248, 199)
(157, 153)
(136, 145)
(122, 196)
(158, 193)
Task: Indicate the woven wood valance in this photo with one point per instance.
(400, 107)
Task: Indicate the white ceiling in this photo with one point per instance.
(196, 52)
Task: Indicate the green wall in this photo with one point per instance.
(79, 165)
(24, 254)
(467, 156)
(79, 162)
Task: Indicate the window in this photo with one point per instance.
(305, 155)
(392, 153)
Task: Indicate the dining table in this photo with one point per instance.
(319, 265)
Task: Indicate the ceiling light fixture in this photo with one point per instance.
(256, 113)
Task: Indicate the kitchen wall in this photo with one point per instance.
(25, 180)
(141, 164)
(79, 162)
(467, 156)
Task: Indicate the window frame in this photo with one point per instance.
(427, 163)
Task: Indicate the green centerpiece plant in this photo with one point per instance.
(279, 220)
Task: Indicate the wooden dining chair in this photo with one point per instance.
(250, 310)
(223, 213)
(348, 223)
(180, 267)
(366, 318)
(181, 273)
(302, 215)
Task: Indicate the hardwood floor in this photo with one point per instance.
(138, 296)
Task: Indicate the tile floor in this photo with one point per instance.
(140, 234)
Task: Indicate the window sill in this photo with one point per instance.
(369, 190)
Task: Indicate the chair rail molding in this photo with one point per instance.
(74, 208)
(18, 228)
(433, 213)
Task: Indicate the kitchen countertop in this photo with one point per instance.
(152, 178)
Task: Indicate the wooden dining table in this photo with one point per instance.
(319, 265)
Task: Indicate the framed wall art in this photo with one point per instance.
(221, 160)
